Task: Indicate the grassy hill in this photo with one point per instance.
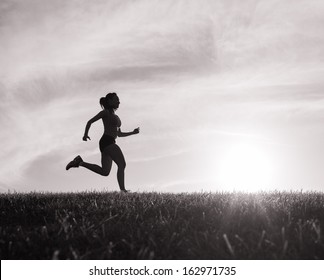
(98, 225)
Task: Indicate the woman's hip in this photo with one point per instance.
(105, 141)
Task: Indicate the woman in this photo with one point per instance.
(110, 151)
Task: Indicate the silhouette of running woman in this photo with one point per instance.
(110, 151)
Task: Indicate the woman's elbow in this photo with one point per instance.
(119, 133)
(88, 124)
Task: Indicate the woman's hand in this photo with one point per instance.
(86, 137)
(136, 130)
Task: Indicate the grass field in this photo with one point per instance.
(99, 225)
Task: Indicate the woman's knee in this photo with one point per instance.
(105, 172)
(122, 165)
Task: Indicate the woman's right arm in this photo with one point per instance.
(91, 121)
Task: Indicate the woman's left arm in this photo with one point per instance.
(124, 134)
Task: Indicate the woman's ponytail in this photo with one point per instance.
(103, 103)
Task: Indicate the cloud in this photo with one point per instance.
(53, 38)
(95, 42)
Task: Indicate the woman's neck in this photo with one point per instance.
(111, 111)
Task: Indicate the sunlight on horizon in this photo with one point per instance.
(246, 166)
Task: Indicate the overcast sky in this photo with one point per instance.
(228, 93)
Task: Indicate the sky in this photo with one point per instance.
(228, 94)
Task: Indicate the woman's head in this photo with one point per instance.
(110, 102)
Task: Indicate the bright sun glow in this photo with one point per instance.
(246, 167)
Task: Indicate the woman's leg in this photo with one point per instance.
(115, 153)
(105, 167)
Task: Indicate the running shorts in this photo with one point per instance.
(105, 141)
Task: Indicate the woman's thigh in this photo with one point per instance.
(106, 162)
(116, 154)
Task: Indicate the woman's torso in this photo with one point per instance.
(111, 124)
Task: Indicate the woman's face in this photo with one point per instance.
(114, 102)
